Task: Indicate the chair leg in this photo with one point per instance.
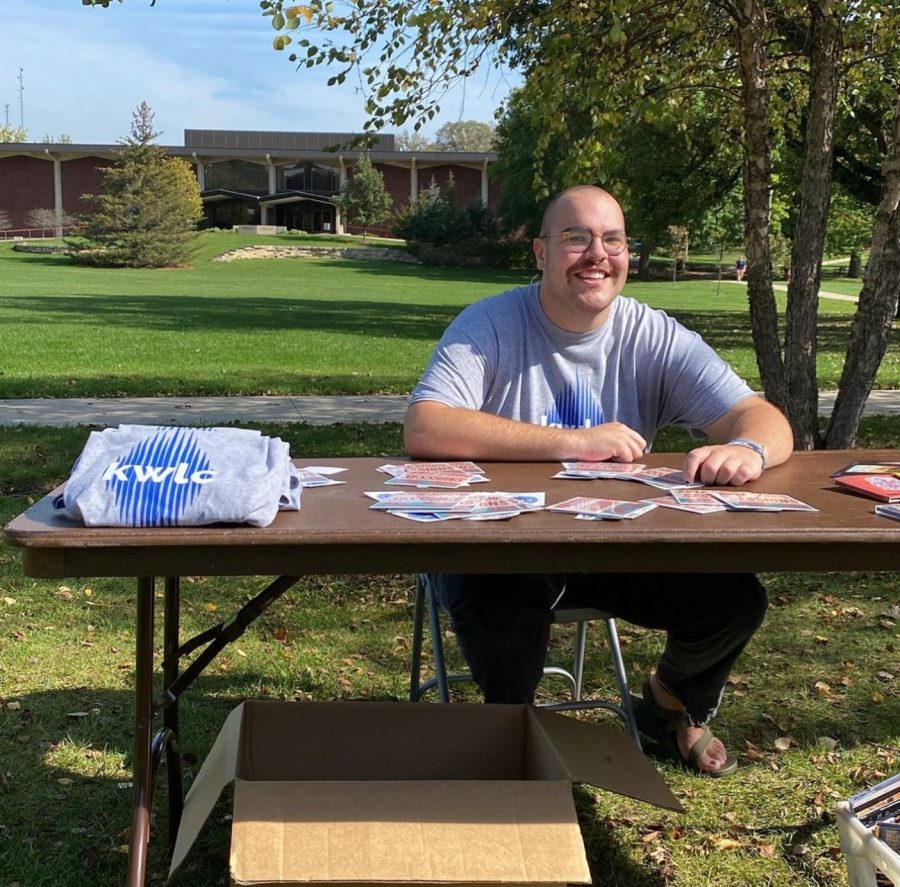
(615, 650)
(578, 666)
(415, 668)
(437, 642)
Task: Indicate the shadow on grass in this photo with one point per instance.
(723, 329)
(236, 313)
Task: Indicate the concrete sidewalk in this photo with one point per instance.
(289, 408)
(202, 410)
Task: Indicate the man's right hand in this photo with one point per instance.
(611, 441)
(437, 431)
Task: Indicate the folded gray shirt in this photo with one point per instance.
(154, 476)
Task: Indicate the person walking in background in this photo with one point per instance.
(740, 266)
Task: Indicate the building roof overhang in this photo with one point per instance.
(296, 197)
(218, 194)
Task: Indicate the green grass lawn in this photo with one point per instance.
(298, 326)
(812, 709)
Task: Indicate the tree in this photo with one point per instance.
(665, 171)
(12, 133)
(5, 221)
(465, 135)
(365, 199)
(61, 139)
(761, 60)
(678, 237)
(873, 322)
(43, 217)
(433, 219)
(147, 214)
(849, 229)
(412, 141)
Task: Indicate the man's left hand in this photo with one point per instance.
(721, 465)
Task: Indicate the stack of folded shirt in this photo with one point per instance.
(152, 476)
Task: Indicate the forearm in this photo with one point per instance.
(437, 431)
(765, 424)
(752, 419)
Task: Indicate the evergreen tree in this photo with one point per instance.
(365, 199)
(147, 214)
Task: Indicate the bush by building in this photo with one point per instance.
(439, 232)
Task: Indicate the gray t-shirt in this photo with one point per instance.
(502, 355)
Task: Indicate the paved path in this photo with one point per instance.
(296, 408)
(823, 294)
(202, 410)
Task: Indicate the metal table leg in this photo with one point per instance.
(143, 723)
(170, 712)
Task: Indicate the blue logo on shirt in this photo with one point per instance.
(575, 408)
(158, 478)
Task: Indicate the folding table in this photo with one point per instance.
(336, 532)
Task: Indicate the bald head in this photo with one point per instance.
(565, 196)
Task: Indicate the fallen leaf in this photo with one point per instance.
(77, 714)
(822, 688)
(650, 837)
(828, 742)
(280, 635)
(783, 743)
(726, 844)
(767, 851)
(885, 676)
(821, 639)
(14, 706)
(64, 780)
(9, 601)
(877, 697)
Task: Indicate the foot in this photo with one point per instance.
(714, 756)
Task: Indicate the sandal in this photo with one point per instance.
(661, 724)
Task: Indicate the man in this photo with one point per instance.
(567, 370)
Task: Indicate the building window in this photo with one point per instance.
(236, 175)
(311, 177)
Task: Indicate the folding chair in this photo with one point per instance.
(426, 599)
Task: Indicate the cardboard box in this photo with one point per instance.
(396, 793)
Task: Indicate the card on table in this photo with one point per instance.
(740, 500)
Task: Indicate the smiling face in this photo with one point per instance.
(577, 289)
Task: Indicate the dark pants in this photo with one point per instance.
(502, 623)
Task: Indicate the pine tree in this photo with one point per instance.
(365, 199)
(147, 214)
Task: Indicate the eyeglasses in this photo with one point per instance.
(579, 240)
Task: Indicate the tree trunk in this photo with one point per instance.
(644, 260)
(757, 171)
(877, 305)
(809, 237)
(855, 269)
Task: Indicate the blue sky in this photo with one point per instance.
(200, 64)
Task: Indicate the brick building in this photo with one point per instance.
(283, 179)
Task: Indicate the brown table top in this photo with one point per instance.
(336, 532)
